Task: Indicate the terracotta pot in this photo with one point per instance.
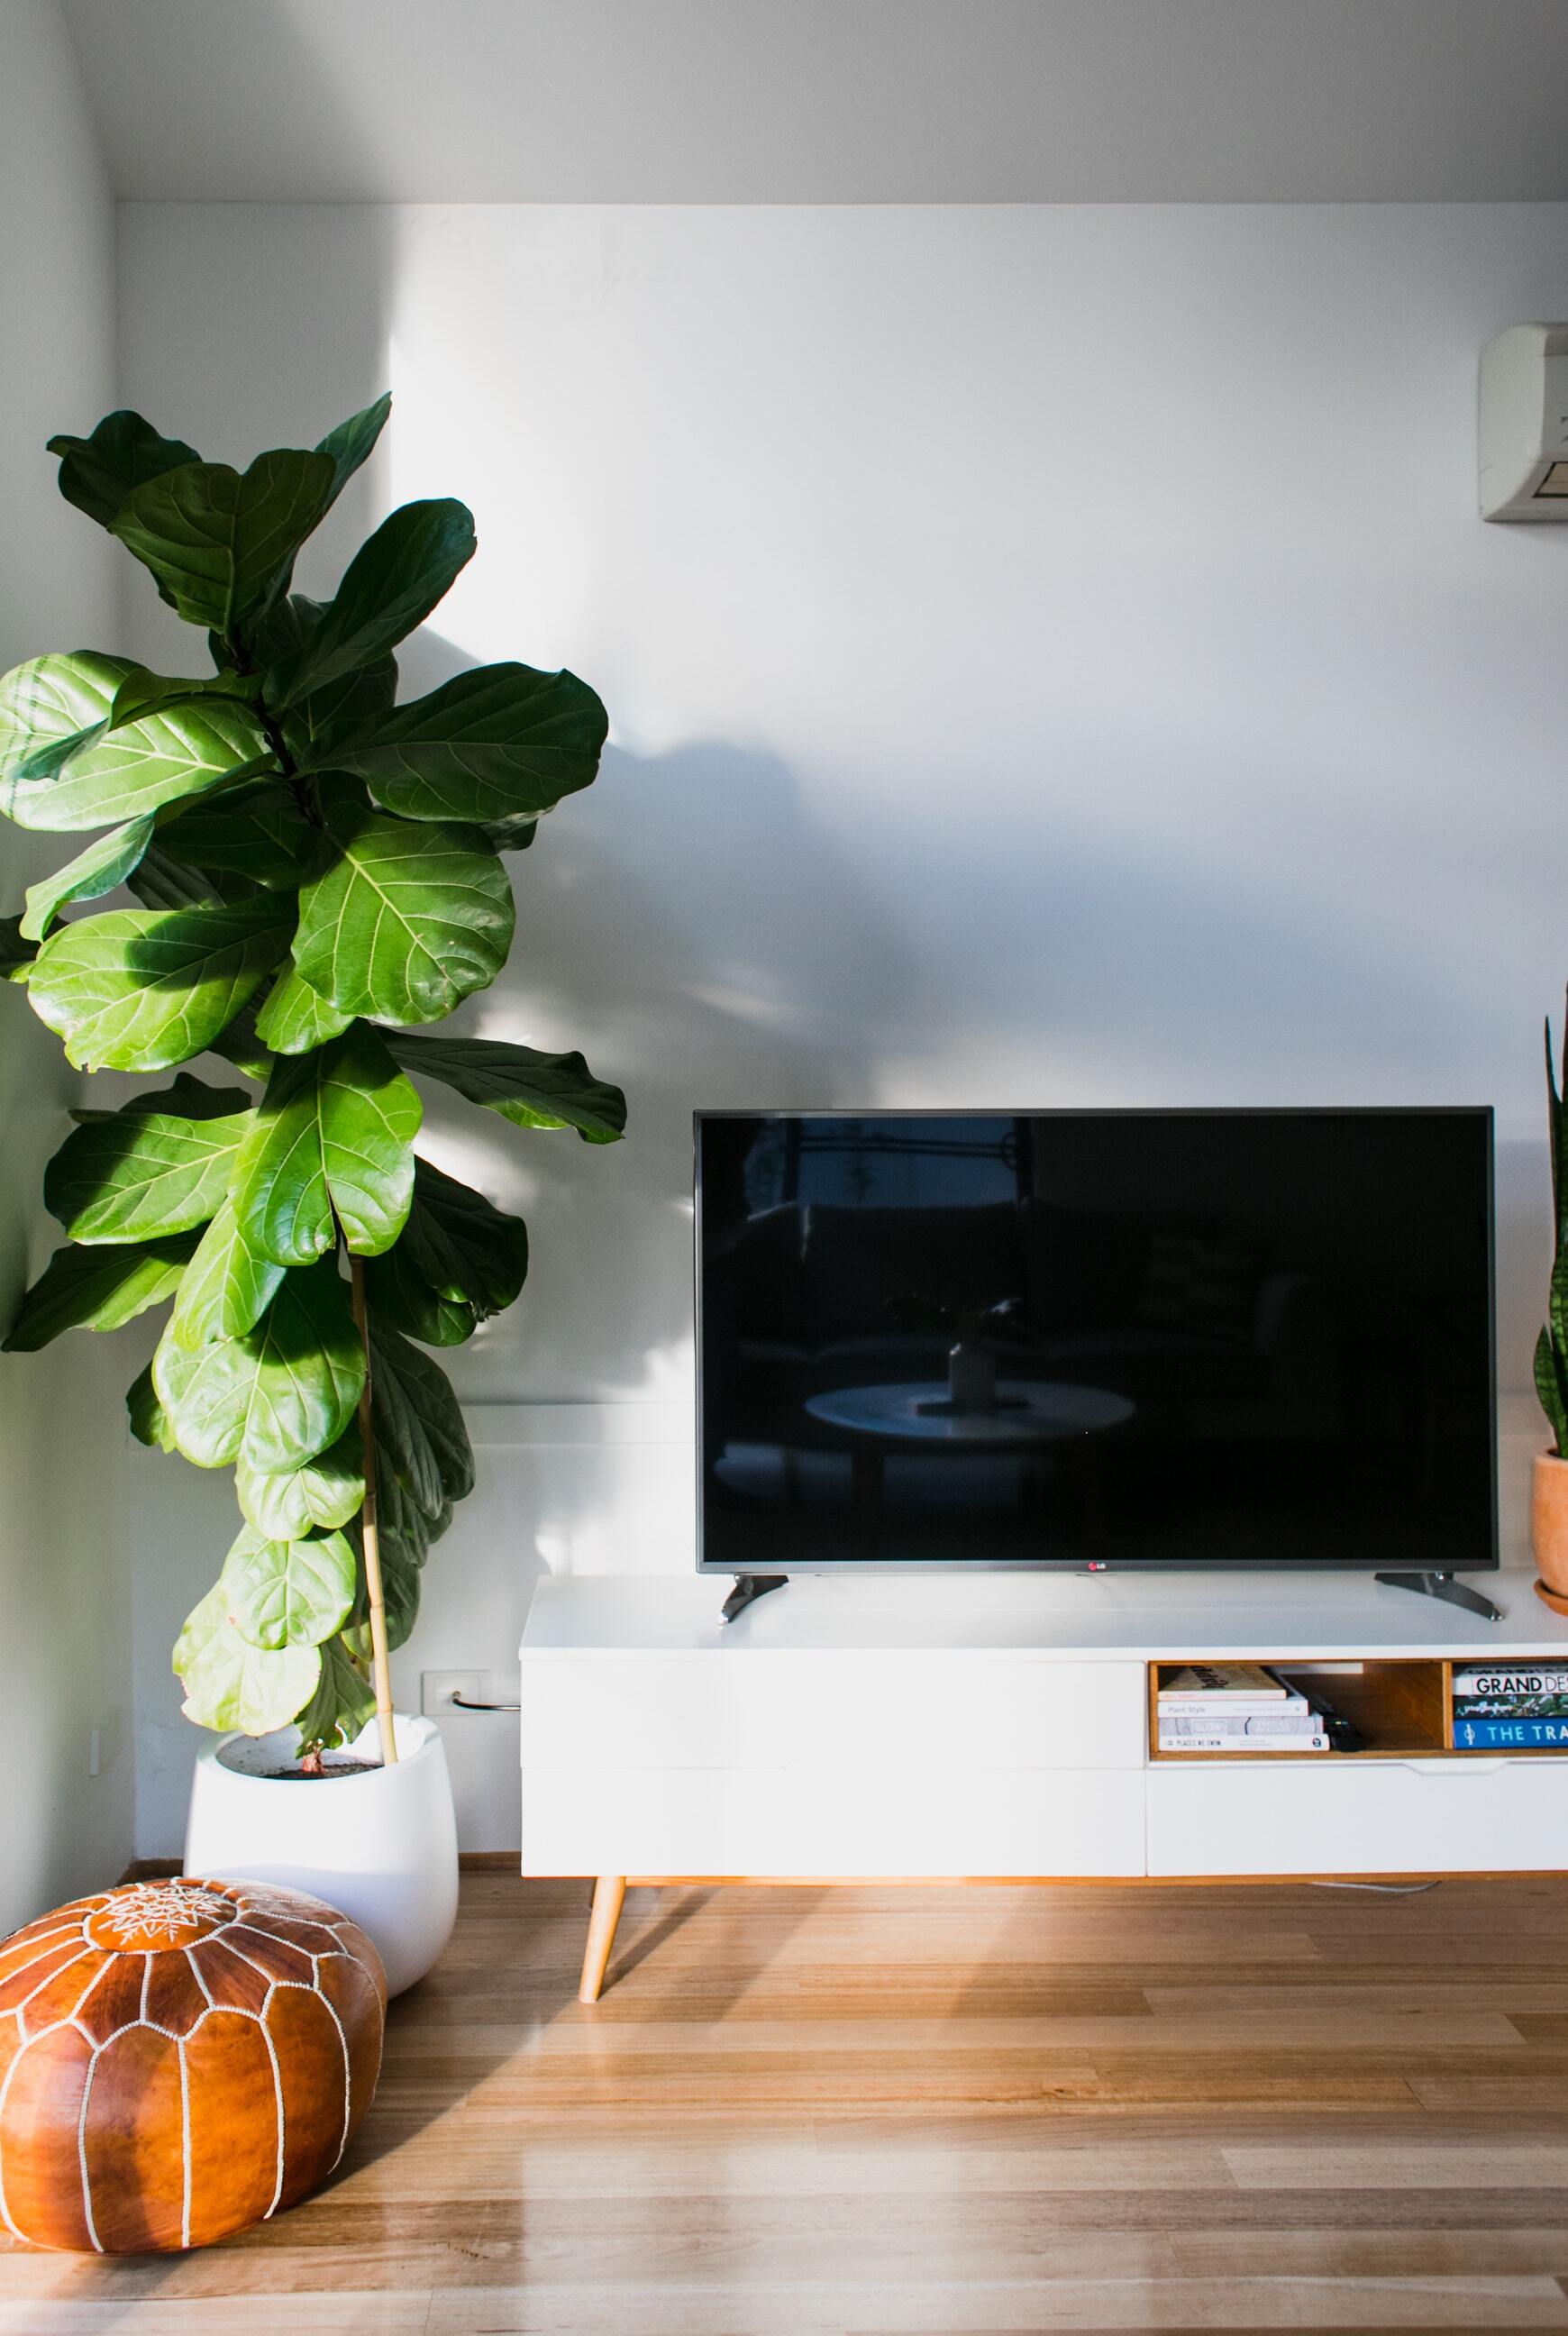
(1549, 1521)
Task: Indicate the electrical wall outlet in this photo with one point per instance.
(436, 1690)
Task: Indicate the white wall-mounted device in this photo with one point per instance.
(1524, 424)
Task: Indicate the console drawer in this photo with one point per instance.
(770, 1822)
(1347, 1816)
(846, 1711)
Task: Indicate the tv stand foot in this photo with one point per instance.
(749, 1588)
(1443, 1586)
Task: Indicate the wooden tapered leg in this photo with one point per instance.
(608, 1895)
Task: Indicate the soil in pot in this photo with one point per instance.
(323, 1775)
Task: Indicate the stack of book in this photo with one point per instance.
(1511, 1707)
(1234, 1708)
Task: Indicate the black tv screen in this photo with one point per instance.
(1094, 1338)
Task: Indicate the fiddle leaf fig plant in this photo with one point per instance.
(319, 878)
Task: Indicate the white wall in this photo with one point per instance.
(63, 1588)
(1053, 657)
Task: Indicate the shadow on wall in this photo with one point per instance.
(689, 925)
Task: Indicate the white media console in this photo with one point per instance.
(998, 1728)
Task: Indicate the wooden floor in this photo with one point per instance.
(889, 2109)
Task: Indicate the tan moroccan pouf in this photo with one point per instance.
(177, 2060)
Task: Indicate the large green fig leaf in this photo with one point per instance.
(241, 1045)
(295, 1018)
(491, 744)
(228, 1683)
(316, 721)
(352, 441)
(107, 862)
(97, 1289)
(16, 956)
(333, 1144)
(140, 1174)
(181, 749)
(147, 1419)
(276, 1396)
(407, 921)
(457, 1261)
(258, 832)
(159, 882)
(189, 1098)
(390, 585)
(325, 1492)
(228, 1287)
(97, 474)
(401, 1515)
(49, 708)
(419, 1427)
(342, 1704)
(530, 1089)
(399, 1595)
(220, 543)
(289, 1593)
(139, 989)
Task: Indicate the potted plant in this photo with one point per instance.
(1550, 1502)
(318, 876)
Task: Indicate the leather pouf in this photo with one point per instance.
(179, 2059)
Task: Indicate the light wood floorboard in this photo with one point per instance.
(881, 2112)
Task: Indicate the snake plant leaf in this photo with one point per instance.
(341, 1703)
(407, 921)
(50, 708)
(332, 1145)
(97, 472)
(276, 1396)
(353, 442)
(419, 1428)
(494, 744)
(530, 1088)
(227, 1286)
(293, 1017)
(221, 543)
(289, 1593)
(141, 1175)
(325, 1492)
(228, 1683)
(180, 750)
(147, 1419)
(457, 1261)
(141, 989)
(390, 585)
(107, 862)
(1552, 1387)
(97, 1289)
(16, 955)
(258, 832)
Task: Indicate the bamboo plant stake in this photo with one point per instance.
(380, 1661)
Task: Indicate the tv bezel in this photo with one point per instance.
(959, 1567)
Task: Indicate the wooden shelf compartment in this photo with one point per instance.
(1401, 1704)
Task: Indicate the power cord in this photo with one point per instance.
(1383, 1889)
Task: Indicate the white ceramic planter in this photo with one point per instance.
(380, 1847)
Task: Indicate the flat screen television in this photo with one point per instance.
(1095, 1340)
